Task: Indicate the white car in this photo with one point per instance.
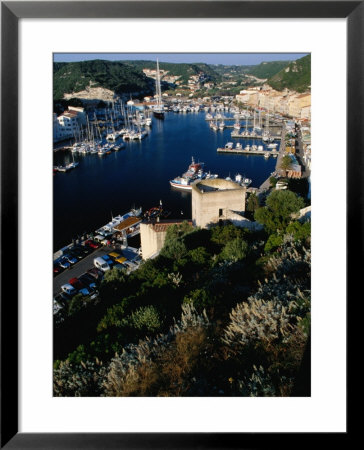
(101, 264)
(69, 289)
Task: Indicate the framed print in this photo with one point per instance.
(177, 64)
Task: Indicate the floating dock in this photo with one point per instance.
(252, 136)
(248, 152)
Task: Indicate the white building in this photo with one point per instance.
(67, 125)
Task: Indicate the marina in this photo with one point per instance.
(180, 191)
(139, 175)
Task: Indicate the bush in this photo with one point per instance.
(234, 250)
(273, 242)
(78, 380)
(146, 319)
(200, 298)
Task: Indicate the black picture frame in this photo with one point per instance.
(11, 12)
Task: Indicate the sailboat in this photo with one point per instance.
(266, 133)
(71, 165)
(159, 107)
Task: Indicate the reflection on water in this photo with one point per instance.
(139, 174)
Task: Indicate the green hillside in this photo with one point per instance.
(116, 76)
(296, 76)
(267, 69)
(184, 70)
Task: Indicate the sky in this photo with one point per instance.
(209, 58)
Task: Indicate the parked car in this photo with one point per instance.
(62, 298)
(114, 255)
(64, 263)
(120, 260)
(101, 264)
(88, 280)
(69, 289)
(81, 288)
(131, 266)
(71, 259)
(91, 243)
(75, 253)
(107, 259)
(83, 250)
(57, 268)
(96, 273)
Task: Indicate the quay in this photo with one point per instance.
(264, 187)
(248, 152)
(62, 149)
(252, 136)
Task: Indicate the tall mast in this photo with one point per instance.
(158, 86)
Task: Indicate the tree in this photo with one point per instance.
(252, 203)
(280, 205)
(76, 304)
(299, 231)
(273, 181)
(178, 230)
(114, 317)
(221, 235)
(113, 287)
(286, 163)
(174, 249)
(234, 250)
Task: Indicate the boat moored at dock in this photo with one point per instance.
(112, 227)
(193, 173)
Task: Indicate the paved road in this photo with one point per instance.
(78, 269)
(282, 148)
(299, 154)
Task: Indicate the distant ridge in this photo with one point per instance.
(116, 76)
(266, 70)
(296, 76)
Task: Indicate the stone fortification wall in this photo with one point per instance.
(215, 200)
(151, 240)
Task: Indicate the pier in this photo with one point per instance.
(248, 152)
(252, 136)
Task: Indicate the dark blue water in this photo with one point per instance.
(86, 197)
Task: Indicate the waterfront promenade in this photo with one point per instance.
(282, 150)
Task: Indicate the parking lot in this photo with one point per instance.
(84, 265)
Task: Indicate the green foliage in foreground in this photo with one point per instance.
(280, 206)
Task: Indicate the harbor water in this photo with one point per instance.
(100, 187)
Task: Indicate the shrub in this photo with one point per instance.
(234, 250)
(273, 242)
(137, 371)
(257, 320)
(78, 380)
(147, 319)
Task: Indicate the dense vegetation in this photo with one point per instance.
(220, 312)
(183, 70)
(268, 69)
(127, 76)
(296, 76)
(116, 76)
